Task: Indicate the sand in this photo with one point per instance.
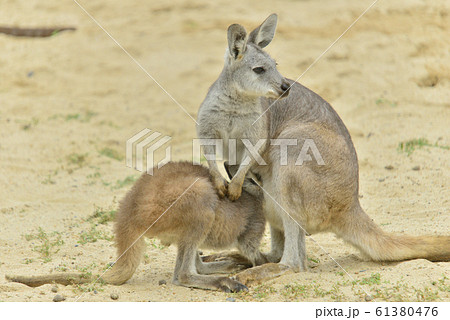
(69, 102)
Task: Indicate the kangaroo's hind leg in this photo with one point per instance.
(221, 266)
(277, 245)
(187, 274)
(294, 254)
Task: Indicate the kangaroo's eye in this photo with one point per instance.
(258, 70)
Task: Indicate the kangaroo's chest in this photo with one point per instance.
(236, 130)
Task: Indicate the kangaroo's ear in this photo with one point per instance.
(231, 169)
(237, 40)
(263, 35)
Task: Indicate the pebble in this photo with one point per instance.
(161, 282)
(368, 298)
(55, 289)
(114, 296)
(381, 180)
(231, 299)
(416, 168)
(58, 298)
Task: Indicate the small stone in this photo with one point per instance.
(416, 168)
(231, 299)
(381, 180)
(161, 282)
(54, 289)
(58, 298)
(114, 296)
(389, 167)
(368, 298)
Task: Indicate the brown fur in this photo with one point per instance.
(182, 207)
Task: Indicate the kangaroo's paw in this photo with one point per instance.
(260, 274)
(234, 190)
(221, 185)
(229, 285)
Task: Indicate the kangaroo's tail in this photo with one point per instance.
(130, 247)
(60, 278)
(358, 229)
(121, 271)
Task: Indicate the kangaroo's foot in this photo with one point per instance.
(260, 274)
(224, 284)
(233, 257)
(294, 265)
(222, 266)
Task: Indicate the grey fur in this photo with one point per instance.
(318, 197)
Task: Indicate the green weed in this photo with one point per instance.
(103, 216)
(125, 182)
(93, 235)
(48, 243)
(78, 159)
(413, 144)
(111, 153)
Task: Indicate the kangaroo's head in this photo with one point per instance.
(249, 68)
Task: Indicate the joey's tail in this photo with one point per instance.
(358, 229)
(130, 247)
(129, 255)
(60, 278)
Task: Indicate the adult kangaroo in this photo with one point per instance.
(303, 195)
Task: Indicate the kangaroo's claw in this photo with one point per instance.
(228, 285)
(234, 190)
(221, 186)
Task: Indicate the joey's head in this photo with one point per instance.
(251, 71)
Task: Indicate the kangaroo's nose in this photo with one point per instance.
(285, 86)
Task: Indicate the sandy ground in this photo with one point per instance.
(69, 102)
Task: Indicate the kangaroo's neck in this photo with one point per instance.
(229, 98)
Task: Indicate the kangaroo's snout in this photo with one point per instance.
(285, 87)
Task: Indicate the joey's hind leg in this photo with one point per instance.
(221, 266)
(187, 274)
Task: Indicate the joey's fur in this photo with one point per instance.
(194, 217)
(320, 198)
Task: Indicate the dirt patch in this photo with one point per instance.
(70, 101)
